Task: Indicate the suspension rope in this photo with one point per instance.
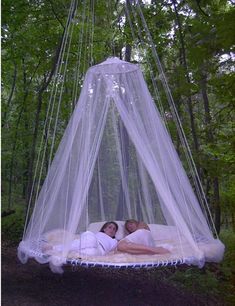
(109, 9)
(89, 34)
(177, 120)
(86, 42)
(68, 45)
(50, 109)
(74, 100)
(79, 54)
(156, 92)
(140, 36)
(92, 30)
(59, 79)
(171, 101)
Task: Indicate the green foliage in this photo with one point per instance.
(214, 279)
(198, 44)
(12, 226)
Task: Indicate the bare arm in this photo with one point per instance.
(135, 248)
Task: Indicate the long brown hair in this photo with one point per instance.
(107, 224)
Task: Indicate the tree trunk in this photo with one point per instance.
(13, 154)
(183, 60)
(45, 84)
(128, 53)
(33, 147)
(4, 117)
(210, 140)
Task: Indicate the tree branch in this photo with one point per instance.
(200, 9)
(56, 16)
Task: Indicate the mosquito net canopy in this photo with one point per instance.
(116, 161)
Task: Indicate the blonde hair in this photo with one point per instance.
(130, 221)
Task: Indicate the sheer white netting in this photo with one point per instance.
(117, 161)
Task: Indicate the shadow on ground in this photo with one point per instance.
(34, 284)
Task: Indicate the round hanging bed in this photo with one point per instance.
(181, 252)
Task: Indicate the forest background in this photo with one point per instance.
(194, 40)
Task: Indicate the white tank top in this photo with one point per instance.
(106, 241)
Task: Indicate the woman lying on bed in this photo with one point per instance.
(90, 243)
(139, 240)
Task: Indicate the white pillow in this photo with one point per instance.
(96, 226)
(159, 231)
(163, 232)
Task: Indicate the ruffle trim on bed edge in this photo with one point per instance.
(114, 259)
